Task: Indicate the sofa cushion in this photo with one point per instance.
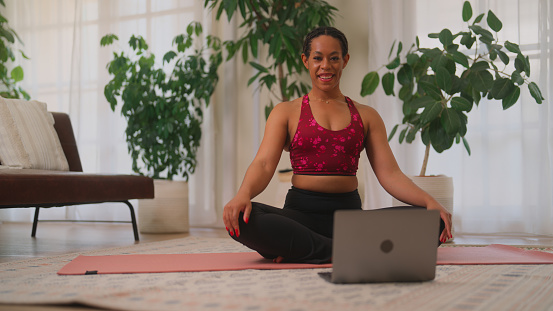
(28, 137)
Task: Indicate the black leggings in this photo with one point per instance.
(302, 230)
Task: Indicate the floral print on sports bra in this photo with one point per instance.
(315, 150)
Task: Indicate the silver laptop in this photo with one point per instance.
(384, 245)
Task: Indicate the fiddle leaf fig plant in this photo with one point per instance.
(10, 78)
(164, 110)
(439, 86)
(280, 26)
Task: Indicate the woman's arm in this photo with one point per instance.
(390, 175)
(261, 170)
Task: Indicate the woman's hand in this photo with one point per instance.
(231, 213)
(390, 175)
(446, 217)
(261, 170)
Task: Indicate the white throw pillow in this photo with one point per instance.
(27, 136)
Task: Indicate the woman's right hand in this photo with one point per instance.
(261, 170)
(231, 213)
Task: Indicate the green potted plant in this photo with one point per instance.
(164, 115)
(275, 28)
(439, 86)
(10, 78)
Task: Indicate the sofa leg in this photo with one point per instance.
(35, 222)
(133, 220)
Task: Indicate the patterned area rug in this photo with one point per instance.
(490, 287)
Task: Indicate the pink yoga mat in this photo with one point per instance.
(495, 254)
(154, 263)
(157, 263)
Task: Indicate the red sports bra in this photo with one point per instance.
(315, 150)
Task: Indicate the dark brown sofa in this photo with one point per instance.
(24, 188)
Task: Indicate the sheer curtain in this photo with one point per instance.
(67, 70)
(505, 186)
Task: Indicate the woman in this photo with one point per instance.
(325, 132)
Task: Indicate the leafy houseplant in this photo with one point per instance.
(280, 26)
(10, 78)
(163, 110)
(439, 86)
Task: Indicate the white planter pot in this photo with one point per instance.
(168, 211)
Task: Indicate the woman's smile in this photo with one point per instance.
(326, 77)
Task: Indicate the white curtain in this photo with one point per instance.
(505, 186)
(67, 70)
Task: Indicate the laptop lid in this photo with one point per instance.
(386, 245)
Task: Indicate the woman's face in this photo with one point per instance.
(325, 62)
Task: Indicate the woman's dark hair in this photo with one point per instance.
(327, 31)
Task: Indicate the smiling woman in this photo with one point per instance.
(325, 133)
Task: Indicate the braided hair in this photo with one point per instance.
(328, 31)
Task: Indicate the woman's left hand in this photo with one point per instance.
(446, 217)
(390, 175)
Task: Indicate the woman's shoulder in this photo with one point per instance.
(287, 108)
(292, 104)
(372, 120)
(366, 111)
